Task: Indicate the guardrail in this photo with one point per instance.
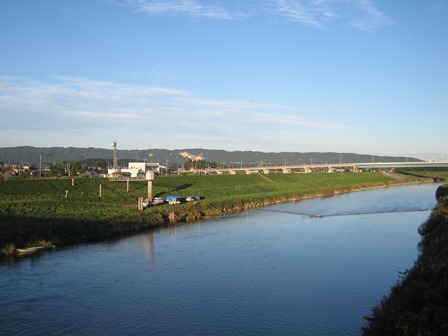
(126, 178)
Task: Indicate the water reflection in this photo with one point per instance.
(146, 242)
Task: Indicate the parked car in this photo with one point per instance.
(157, 200)
(173, 199)
(192, 198)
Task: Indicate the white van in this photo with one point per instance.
(157, 200)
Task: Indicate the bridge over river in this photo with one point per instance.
(329, 168)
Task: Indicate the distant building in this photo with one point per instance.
(135, 169)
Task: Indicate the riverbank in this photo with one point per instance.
(418, 304)
(62, 214)
(270, 269)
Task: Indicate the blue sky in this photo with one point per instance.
(363, 76)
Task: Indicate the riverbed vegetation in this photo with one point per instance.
(418, 303)
(67, 211)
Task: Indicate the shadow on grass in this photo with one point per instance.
(183, 187)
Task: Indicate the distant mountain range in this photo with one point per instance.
(49, 155)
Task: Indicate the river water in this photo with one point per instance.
(271, 271)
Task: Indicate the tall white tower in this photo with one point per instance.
(115, 164)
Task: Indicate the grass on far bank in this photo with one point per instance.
(438, 174)
(49, 195)
(32, 210)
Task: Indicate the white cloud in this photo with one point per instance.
(182, 7)
(79, 105)
(101, 116)
(361, 14)
(314, 13)
(371, 18)
(296, 121)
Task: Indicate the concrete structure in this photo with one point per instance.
(394, 165)
(134, 170)
(330, 168)
(149, 176)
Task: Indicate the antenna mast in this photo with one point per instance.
(115, 164)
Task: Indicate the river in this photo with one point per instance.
(271, 271)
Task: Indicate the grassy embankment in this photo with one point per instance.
(37, 210)
(432, 173)
(418, 303)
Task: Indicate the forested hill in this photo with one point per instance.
(49, 155)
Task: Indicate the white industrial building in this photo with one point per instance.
(135, 169)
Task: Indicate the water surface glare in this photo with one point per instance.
(256, 273)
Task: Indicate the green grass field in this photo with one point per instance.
(231, 187)
(36, 209)
(48, 196)
(208, 186)
(443, 174)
